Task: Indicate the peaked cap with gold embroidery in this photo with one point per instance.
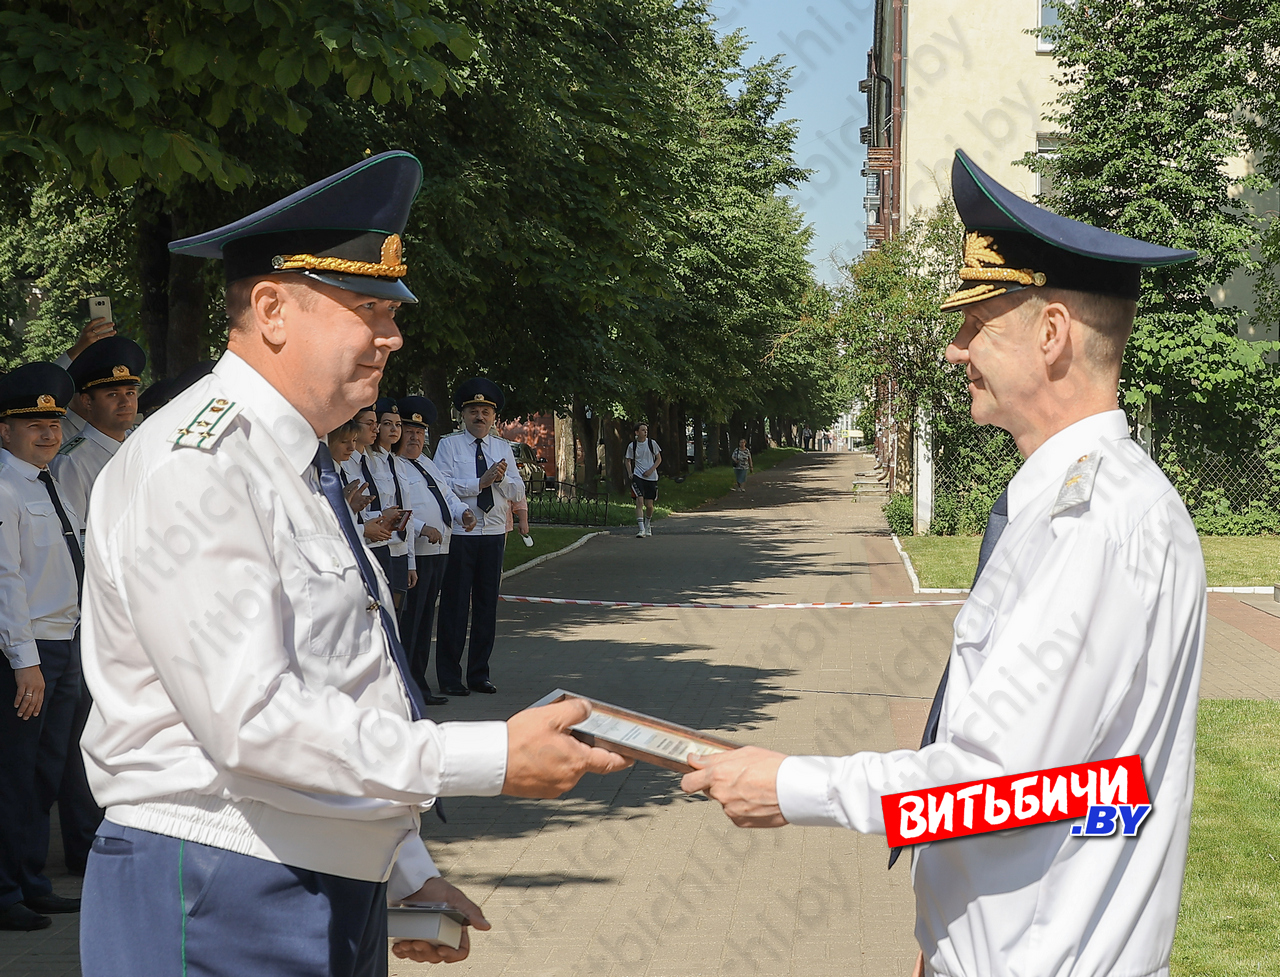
(1011, 244)
(343, 231)
(417, 411)
(116, 361)
(35, 391)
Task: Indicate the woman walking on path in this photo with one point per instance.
(741, 465)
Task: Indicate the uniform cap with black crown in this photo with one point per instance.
(386, 405)
(111, 362)
(1011, 244)
(35, 391)
(478, 390)
(416, 411)
(344, 231)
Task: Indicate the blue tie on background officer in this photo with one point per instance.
(255, 735)
(436, 512)
(475, 461)
(106, 376)
(40, 573)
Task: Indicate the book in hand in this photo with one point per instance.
(435, 922)
(640, 737)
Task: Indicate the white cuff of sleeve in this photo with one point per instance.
(475, 759)
(412, 868)
(23, 656)
(804, 792)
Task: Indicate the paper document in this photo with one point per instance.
(627, 732)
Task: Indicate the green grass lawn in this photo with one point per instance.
(546, 539)
(943, 561)
(1228, 923)
(1230, 561)
(1242, 561)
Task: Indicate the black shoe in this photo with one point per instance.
(487, 687)
(455, 690)
(19, 917)
(435, 700)
(52, 904)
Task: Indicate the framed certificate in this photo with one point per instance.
(640, 737)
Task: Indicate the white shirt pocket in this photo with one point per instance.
(341, 621)
(46, 528)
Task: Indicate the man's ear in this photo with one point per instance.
(1054, 334)
(269, 307)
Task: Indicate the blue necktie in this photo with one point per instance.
(485, 499)
(375, 503)
(996, 522)
(331, 486)
(391, 463)
(435, 490)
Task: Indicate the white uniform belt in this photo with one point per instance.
(363, 850)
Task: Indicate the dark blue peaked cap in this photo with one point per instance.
(1012, 244)
(35, 391)
(479, 390)
(112, 362)
(419, 411)
(343, 231)
(385, 405)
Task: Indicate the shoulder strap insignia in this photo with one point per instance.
(71, 445)
(1077, 484)
(204, 430)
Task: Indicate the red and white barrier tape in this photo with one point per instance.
(701, 605)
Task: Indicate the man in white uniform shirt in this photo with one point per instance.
(255, 737)
(475, 461)
(106, 376)
(40, 570)
(1081, 640)
(436, 510)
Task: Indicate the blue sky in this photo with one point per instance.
(826, 44)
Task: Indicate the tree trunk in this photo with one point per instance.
(737, 431)
(435, 387)
(757, 440)
(586, 430)
(565, 456)
(681, 458)
(186, 343)
(699, 444)
(714, 433)
(154, 235)
(615, 446)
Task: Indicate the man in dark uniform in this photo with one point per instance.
(40, 572)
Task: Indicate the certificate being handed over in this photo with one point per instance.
(640, 737)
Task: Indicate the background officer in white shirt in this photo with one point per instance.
(381, 462)
(255, 737)
(106, 376)
(436, 510)
(1081, 640)
(375, 525)
(40, 571)
(474, 460)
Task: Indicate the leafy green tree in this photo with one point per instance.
(1151, 105)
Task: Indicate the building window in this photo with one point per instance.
(1046, 145)
(1048, 18)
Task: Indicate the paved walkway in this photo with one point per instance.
(628, 876)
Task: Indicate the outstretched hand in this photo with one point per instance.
(744, 781)
(543, 758)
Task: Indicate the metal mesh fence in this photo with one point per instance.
(1226, 496)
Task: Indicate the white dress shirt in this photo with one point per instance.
(426, 510)
(381, 465)
(355, 473)
(77, 465)
(456, 457)
(37, 577)
(1082, 640)
(244, 692)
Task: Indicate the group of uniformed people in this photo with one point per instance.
(257, 734)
